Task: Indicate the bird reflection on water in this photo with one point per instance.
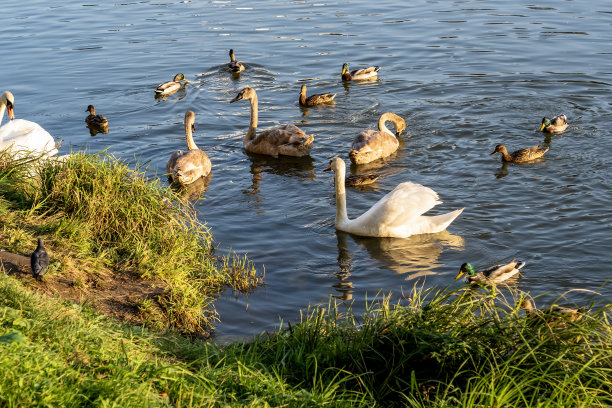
(193, 191)
(416, 256)
(300, 167)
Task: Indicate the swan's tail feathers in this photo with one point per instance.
(440, 222)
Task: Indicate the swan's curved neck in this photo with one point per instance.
(2, 109)
(189, 136)
(392, 117)
(253, 125)
(341, 216)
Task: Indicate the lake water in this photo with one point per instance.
(465, 75)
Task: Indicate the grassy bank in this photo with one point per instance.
(103, 221)
(106, 223)
(447, 351)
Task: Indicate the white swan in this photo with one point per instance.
(21, 136)
(398, 214)
(187, 166)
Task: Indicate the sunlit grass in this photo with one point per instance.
(96, 212)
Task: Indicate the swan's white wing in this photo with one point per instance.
(26, 136)
(406, 202)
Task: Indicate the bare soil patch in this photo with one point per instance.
(114, 294)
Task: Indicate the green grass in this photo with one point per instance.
(470, 348)
(95, 212)
(442, 350)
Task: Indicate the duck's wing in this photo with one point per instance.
(499, 271)
(320, 98)
(530, 153)
(558, 120)
(407, 201)
(365, 71)
(168, 87)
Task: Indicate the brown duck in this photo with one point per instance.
(520, 156)
(95, 120)
(317, 99)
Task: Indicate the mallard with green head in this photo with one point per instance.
(556, 124)
(491, 275)
(316, 99)
(171, 87)
(234, 66)
(359, 74)
(522, 155)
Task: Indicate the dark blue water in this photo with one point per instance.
(466, 75)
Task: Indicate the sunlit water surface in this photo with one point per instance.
(466, 75)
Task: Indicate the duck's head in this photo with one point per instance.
(246, 93)
(90, 109)
(180, 77)
(7, 99)
(303, 90)
(231, 55)
(467, 269)
(345, 68)
(335, 164)
(545, 123)
(500, 148)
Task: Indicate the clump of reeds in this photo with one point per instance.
(448, 349)
(109, 212)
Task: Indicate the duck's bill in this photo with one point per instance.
(542, 127)
(459, 275)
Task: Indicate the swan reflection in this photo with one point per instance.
(299, 167)
(345, 263)
(193, 191)
(415, 256)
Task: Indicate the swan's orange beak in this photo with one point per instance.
(9, 109)
(328, 168)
